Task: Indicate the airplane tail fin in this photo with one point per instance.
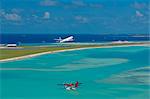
(77, 84)
(58, 40)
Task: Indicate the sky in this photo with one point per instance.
(74, 16)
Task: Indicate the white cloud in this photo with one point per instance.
(139, 14)
(81, 19)
(48, 3)
(85, 4)
(2, 12)
(96, 5)
(46, 15)
(16, 10)
(139, 5)
(78, 3)
(34, 16)
(12, 17)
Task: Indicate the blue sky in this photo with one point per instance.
(74, 16)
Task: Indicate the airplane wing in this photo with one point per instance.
(68, 39)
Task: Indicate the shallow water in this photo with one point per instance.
(110, 73)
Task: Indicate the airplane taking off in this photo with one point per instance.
(71, 86)
(68, 39)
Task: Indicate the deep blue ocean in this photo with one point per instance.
(49, 38)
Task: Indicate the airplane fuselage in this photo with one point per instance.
(68, 39)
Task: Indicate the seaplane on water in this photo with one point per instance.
(68, 39)
(71, 86)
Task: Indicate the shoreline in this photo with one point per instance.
(74, 49)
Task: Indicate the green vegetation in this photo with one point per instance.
(27, 50)
(6, 53)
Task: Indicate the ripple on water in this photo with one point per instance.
(139, 76)
(79, 64)
(91, 63)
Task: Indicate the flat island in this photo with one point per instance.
(20, 52)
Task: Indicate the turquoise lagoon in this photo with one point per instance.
(106, 73)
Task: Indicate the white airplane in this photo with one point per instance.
(68, 39)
